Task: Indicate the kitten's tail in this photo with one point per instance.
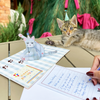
(50, 53)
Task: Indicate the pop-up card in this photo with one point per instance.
(34, 50)
(28, 65)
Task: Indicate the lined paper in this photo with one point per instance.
(71, 83)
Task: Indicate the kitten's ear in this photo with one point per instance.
(74, 20)
(60, 22)
(20, 35)
(33, 38)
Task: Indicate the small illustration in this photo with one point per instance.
(27, 73)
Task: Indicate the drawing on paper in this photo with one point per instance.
(27, 73)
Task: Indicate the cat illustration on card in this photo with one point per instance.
(34, 50)
(71, 35)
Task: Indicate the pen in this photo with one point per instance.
(91, 78)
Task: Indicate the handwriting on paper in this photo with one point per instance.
(68, 81)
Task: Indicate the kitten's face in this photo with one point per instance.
(29, 42)
(68, 27)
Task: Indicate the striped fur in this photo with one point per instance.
(71, 35)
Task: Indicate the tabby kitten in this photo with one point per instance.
(71, 35)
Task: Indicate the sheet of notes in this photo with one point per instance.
(71, 83)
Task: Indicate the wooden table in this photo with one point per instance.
(77, 57)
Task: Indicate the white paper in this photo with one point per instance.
(42, 92)
(38, 92)
(71, 83)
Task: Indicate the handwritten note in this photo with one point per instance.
(70, 83)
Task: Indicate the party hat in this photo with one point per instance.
(28, 35)
(66, 16)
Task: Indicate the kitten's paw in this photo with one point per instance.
(66, 45)
(22, 58)
(58, 42)
(49, 42)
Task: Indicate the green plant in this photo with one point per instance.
(46, 12)
(11, 30)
